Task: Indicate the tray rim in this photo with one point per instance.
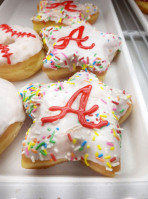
(41, 179)
(142, 19)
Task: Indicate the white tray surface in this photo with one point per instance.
(121, 75)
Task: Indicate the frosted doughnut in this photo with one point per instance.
(76, 47)
(143, 5)
(63, 13)
(21, 52)
(11, 113)
(75, 120)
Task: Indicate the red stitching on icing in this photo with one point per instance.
(67, 6)
(5, 50)
(8, 29)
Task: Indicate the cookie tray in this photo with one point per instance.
(121, 75)
(143, 18)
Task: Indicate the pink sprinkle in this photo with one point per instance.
(110, 144)
(43, 137)
(61, 85)
(112, 131)
(114, 109)
(27, 152)
(34, 110)
(64, 55)
(103, 101)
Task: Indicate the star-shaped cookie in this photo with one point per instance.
(80, 46)
(63, 13)
(75, 120)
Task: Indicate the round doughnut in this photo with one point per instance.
(11, 113)
(143, 5)
(21, 52)
(50, 14)
(76, 47)
(75, 120)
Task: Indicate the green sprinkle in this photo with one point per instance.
(100, 66)
(39, 145)
(31, 108)
(51, 138)
(24, 97)
(95, 54)
(121, 110)
(43, 153)
(81, 148)
(49, 129)
(31, 96)
(58, 66)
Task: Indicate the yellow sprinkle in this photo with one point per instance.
(112, 148)
(103, 115)
(28, 131)
(48, 57)
(25, 91)
(115, 115)
(96, 133)
(94, 138)
(37, 92)
(96, 154)
(52, 84)
(91, 66)
(74, 67)
(107, 157)
(101, 87)
(35, 107)
(128, 96)
(25, 99)
(60, 20)
(39, 17)
(34, 121)
(109, 165)
(114, 132)
(85, 159)
(71, 83)
(74, 141)
(90, 79)
(54, 44)
(99, 147)
(44, 41)
(88, 146)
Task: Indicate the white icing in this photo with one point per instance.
(11, 108)
(22, 48)
(58, 94)
(97, 58)
(61, 15)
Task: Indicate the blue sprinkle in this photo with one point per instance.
(94, 62)
(97, 115)
(30, 116)
(108, 124)
(51, 54)
(85, 69)
(21, 94)
(83, 143)
(45, 145)
(101, 155)
(30, 86)
(87, 120)
(57, 129)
